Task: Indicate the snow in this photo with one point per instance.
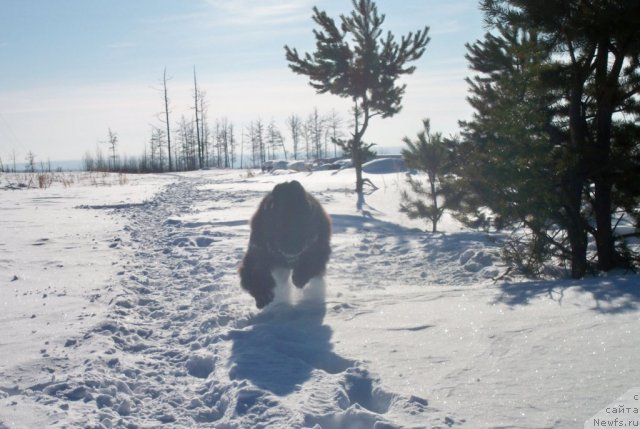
(121, 307)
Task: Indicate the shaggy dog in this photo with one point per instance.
(291, 230)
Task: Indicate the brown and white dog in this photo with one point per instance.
(290, 230)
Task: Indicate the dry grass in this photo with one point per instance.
(45, 180)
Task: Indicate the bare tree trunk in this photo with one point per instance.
(195, 99)
(607, 86)
(241, 146)
(113, 140)
(204, 132)
(357, 149)
(166, 113)
(573, 186)
(434, 199)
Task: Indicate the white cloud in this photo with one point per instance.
(265, 12)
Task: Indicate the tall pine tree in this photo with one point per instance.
(597, 47)
(513, 159)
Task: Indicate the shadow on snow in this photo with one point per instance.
(281, 347)
(611, 295)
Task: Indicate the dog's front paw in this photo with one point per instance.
(300, 279)
(264, 298)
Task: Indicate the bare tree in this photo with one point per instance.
(225, 142)
(316, 126)
(144, 165)
(204, 129)
(242, 146)
(188, 145)
(275, 140)
(30, 166)
(306, 134)
(156, 144)
(255, 134)
(232, 145)
(88, 162)
(222, 139)
(294, 123)
(196, 102)
(166, 115)
(258, 135)
(101, 163)
(334, 129)
(112, 141)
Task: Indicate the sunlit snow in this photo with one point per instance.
(120, 306)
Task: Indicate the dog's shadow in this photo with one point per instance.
(280, 347)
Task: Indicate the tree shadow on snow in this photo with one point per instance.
(610, 295)
(435, 244)
(281, 347)
(342, 223)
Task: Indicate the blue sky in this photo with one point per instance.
(71, 69)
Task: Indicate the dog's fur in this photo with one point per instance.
(291, 230)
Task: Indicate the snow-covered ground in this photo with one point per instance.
(120, 306)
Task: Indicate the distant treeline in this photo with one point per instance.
(220, 144)
(196, 142)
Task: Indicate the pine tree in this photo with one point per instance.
(364, 68)
(432, 154)
(514, 159)
(597, 72)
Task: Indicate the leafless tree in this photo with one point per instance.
(188, 145)
(205, 133)
(112, 141)
(196, 101)
(223, 142)
(294, 123)
(242, 146)
(316, 125)
(258, 134)
(232, 145)
(88, 162)
(156, 143)
(275, 140)
(334, 129)
(30, 166)
(166, 117)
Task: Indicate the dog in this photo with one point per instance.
(291, 230)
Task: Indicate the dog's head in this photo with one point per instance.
(291, 213)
